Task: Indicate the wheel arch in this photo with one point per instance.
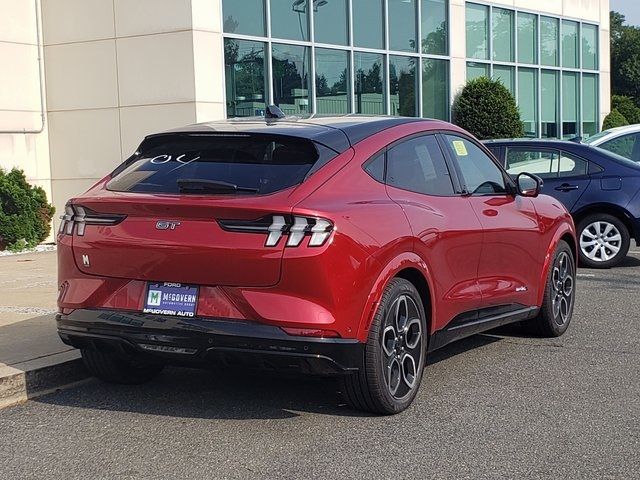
(567, 233)
(617, 211)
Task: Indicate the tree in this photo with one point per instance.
(614, 119)
(625, 58)
(627, 107)
(487, 109)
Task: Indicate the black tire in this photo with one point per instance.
(559, 295)
(371, 389)
(589, 233)
(116, 369)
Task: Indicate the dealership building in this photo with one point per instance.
(84, 80)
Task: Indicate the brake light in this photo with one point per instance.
(78, 217)
(295, 228)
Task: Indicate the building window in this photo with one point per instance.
(245, 78)
(402, 85)
(435, 88)
(589, 104)
(368, 21)
(402, 25)
(477, 70)
(528, 100)
(527, 38)
(289, 19)
(549, 96)
(570, 44)
(290, 71)
(506, 75)
(435, 30)
(332, 81)
(369, 81)
(570, 113)
(330, 22)
(246, 18)
(503, 38)
(549, 41)
(477, 23)
(589, 47)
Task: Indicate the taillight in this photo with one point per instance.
(295, 228)
(78, 217)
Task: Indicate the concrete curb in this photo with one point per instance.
(23, 381)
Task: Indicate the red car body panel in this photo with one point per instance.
(472, 252)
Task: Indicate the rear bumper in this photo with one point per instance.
(203, 342)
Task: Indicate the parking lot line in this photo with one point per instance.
(585, 274)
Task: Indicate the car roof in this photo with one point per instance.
(535, 141)
(338, 132)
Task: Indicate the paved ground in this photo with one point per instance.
(492, 406)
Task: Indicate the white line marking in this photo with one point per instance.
(586, 274)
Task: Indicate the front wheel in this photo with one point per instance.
(395, 353)
(604, 241)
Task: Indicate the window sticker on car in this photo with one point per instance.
(460, 148)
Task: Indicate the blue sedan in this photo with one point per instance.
(599, 188)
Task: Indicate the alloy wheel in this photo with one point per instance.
(402, 347)
(562, 283)
(600, 241)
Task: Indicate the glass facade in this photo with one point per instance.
(337, 57)
(549, 64)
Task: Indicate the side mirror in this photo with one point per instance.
(529, 185)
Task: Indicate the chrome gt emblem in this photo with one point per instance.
(166, 225)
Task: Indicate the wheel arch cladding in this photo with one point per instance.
(567, 237)
(418, 280)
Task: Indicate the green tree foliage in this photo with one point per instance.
(487, 109)
(25, 214)
(627, 107)
(625, 58)
(614, 119)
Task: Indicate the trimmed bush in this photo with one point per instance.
(25, 213)
(614, 119)
(487, 109)
(627, 107)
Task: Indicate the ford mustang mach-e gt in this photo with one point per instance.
(346, 245)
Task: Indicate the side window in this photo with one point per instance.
(543, 163)
(418, 165)
(481, 174)
(572, 166)
(375, 167)
(623, 145)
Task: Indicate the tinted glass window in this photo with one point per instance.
(623, 145)
(419, 166)
(216, 164)
(402, 25)
(572, 166)
(375, 167)
(245, 17)
(543, 163)
(332, 81)
(289, 19)
(330, 22)
(369, 73)
(245, 77)
(368, 23)
(481, 175)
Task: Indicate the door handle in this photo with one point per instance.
(565, 187)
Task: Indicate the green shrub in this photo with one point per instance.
(487, 109)
(627, 107)
(614, 119)
(25, 214)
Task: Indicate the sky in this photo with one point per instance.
(629, 8)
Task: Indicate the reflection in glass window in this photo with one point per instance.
(624, 146)
(589, 46)
(527, 38)
(549, 41)
(330, 22)
(244, 76)
(506, 75)
(572, 166)
(570, 97)
(480, 174)
(477, 31)
(435, 89)
(402, 85)
(503, 39)
(368, 29)
(543, 163)
(332, 81)
(245, 17)
(476, 70)
(570, 44)
(549, 114)
(289, 19)
(402, 25)
(290, 70)
(369, 72)
(589, 105)
(528, 100)
(434, 27)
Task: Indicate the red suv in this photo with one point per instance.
(337, 245)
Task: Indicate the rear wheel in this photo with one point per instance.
(604, 241)
(394, 354)
(116, 369)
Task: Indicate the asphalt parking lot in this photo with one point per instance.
(493, 406)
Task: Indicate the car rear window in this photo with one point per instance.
(219, 164)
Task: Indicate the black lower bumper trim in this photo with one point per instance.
(203, 342)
